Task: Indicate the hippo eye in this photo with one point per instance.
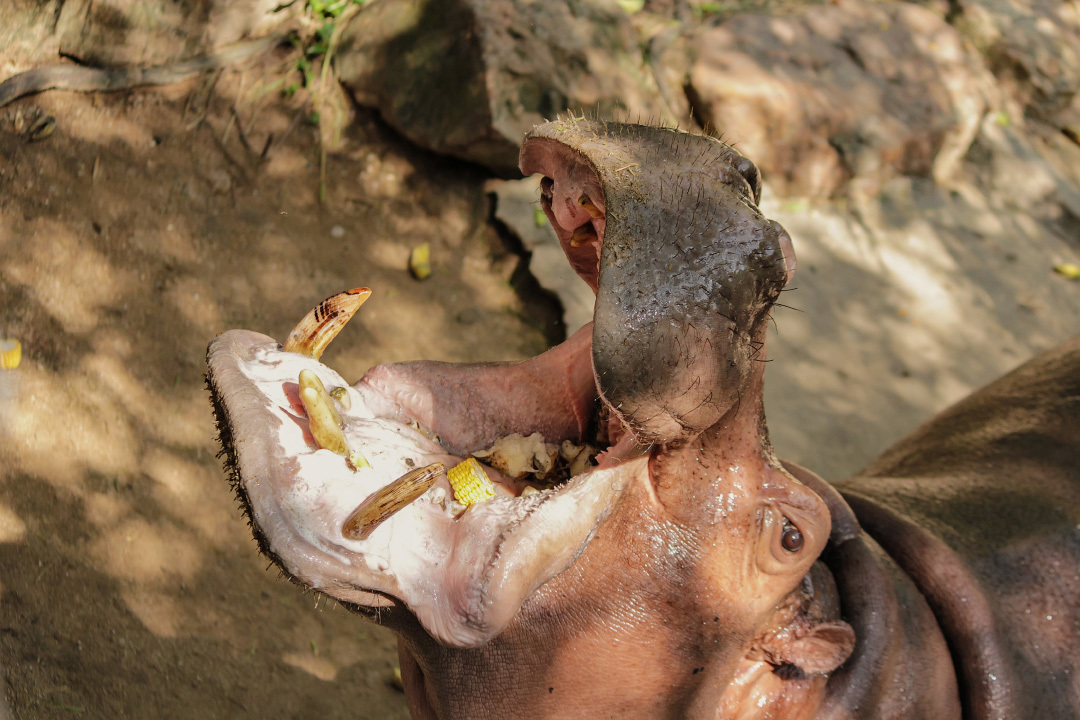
(752, 176)
(792, 539)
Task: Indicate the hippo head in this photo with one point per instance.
(673, 574)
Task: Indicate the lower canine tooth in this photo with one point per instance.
(309, 380)
(312, 334)
(388, 500)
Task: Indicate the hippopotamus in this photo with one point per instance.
(684, 571)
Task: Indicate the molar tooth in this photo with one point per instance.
(312, 334)
(324, 421)
(586, 202)
(584, 234)
(390, 499)
(529, 490)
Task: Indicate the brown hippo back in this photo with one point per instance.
(981, 507)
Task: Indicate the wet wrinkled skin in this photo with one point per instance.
(678, 578)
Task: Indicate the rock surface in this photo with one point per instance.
(468, 78)
(133, 234)
(906, 302)
(845, 93)
(1032, 47)
(130, 32)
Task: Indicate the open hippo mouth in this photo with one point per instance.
(345, 485)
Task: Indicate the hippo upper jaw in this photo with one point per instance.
(664, 226)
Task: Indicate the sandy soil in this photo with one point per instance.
(129, 583)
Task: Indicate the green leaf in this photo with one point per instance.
(334, 8)
(304, 66)
(313, 118)
(539, 217)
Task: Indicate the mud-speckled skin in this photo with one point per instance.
(981, 508)
(688, 262)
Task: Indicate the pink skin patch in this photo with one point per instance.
(569, 180)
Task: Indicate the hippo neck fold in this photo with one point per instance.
(902, 666)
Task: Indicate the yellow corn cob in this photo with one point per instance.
(420, 261)
(10, 354)
(470, 483)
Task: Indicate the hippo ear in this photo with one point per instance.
(822, 648)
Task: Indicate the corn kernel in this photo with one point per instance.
(470, 483)
(10, 353)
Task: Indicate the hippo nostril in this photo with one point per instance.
(786, 249)
(752, 175)
(792, 539)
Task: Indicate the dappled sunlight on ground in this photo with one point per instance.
(312, 664)
(80, 279)
(94, 435)
(159, 612)
(903, 311)
(12, 528)
(120, 259)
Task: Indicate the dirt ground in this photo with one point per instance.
(129, 583)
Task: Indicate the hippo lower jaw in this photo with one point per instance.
(463, 573)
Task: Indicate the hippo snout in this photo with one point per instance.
(684, 265)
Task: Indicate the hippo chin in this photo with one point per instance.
(685, 572)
